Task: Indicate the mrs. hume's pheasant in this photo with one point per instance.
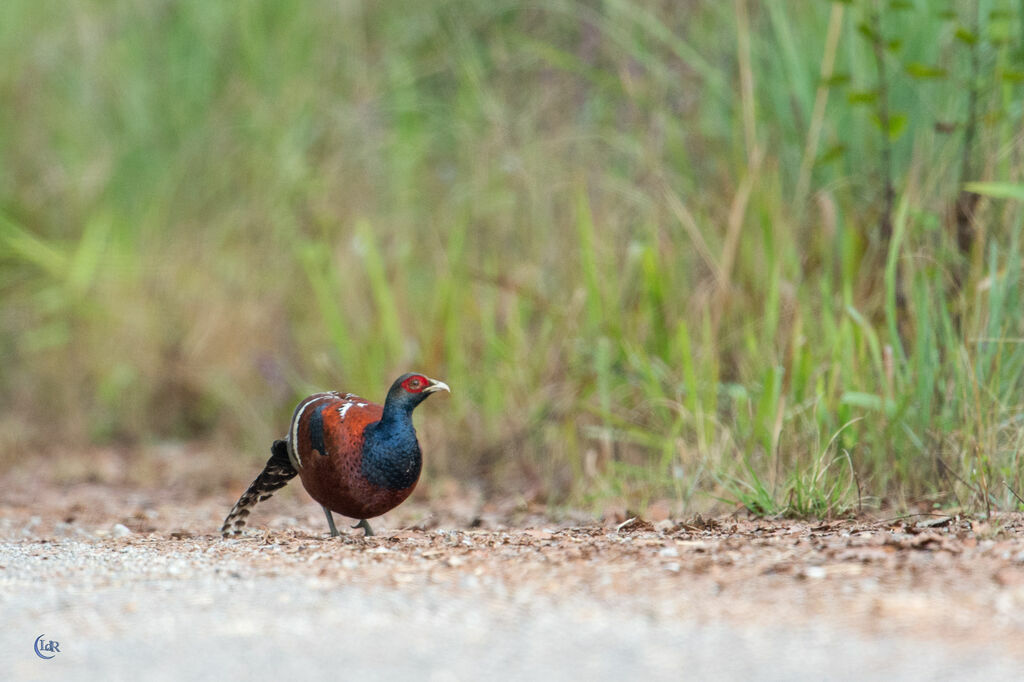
(354, 457)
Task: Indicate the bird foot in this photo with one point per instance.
(367, 531)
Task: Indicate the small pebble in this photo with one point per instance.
(665, 526)
(120, 531)
(815, 572)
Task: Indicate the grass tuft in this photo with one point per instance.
(659, 250)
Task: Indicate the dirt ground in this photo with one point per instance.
(133, 579)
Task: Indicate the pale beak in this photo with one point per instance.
(437, 386)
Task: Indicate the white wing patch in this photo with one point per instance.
(351, 399)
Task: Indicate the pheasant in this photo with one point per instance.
(354, 457)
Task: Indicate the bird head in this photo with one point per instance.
(409, 390)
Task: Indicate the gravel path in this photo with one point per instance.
(134, 585)
(205, 628)
(215, 610)
(195, 624)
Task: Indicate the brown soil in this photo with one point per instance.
(946, 580)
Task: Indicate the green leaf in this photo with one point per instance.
(965, 36)
(831, 154)
(900, 5)
(997, 190)
(1000, 31)
(897, 125)
(868, 32)
(867, 401)
(862, 96)
(925, 71)
(30, 248)
(1012, 75)
(835, 80)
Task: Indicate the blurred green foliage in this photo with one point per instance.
(639, 238)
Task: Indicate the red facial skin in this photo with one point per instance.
(415, 383)
(335, 478)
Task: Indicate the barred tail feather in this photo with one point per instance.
(275, 475)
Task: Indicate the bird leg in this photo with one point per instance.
(367, 531)
(330, 522)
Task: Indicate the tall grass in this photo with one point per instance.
(639, 239)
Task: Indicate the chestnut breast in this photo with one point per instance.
(325, 444)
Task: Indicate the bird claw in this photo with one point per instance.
(367, 531)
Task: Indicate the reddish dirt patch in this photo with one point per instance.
(929, 577)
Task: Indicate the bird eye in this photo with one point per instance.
(415, 384)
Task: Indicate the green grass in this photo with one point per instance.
(638, 239)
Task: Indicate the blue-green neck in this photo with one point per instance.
(391, 453)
